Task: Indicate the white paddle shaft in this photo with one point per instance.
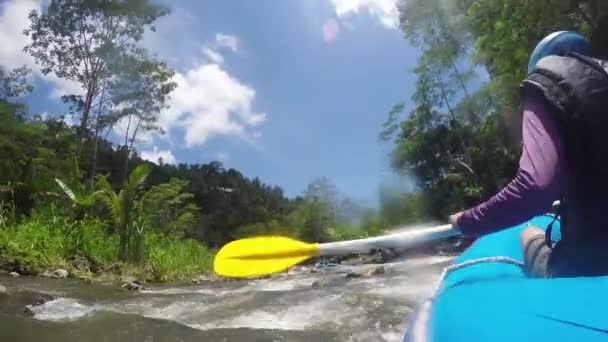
(405, 239)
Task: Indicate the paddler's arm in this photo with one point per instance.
(537, 184)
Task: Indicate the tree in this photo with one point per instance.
(79, 40)
(124, 207)
(139, 95)
(14, 83)
(170, 208)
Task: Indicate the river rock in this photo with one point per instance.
(60, 273)
(132, 286)
(46, 274)
(388, 254)
(14, 274)
(375, 271)
(354, 275)
(318, 284)
(210, 277)
(17, 302)
(3, 290)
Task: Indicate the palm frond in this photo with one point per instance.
(136, 179)
(109, 197)
(66, 190)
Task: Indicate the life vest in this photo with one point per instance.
(575, 88)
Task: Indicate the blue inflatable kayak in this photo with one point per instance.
(491, 299)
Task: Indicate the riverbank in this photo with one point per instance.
(86, 250)
(58, 247)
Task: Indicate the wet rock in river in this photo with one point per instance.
(17, 302)
(14, 274)
(60, 274)
(354, 275)
(134, 285)
(3, 290)
(318, 284)
(46, 274)
(374, 271)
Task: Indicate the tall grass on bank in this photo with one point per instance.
(172, 258)
(49, 240)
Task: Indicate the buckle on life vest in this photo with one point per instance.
(557, 209)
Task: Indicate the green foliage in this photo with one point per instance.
(14, 84)
(125, 212)
(397, 208)
(169, 208)
(48, 239)
(506, 32)
(272, 227)
(171, 258)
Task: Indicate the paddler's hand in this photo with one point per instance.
(453, 220)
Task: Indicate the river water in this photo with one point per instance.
(285, 308)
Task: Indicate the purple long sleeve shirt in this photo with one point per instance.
(539, 181)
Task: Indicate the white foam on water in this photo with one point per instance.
(61, 309)
(420, 261)
(270, 285)
(175, 311)
(262, 285)
(404, 287)
(391, 336)
(302, 316)
(177, 290)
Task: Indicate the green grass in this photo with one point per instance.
(50, 240)
(174, 258)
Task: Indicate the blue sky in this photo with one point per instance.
(286, 91)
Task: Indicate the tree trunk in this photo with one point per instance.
(96, 142)
(126, 166)
(86, 110)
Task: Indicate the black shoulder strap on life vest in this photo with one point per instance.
(572, 83)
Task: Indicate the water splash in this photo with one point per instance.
(60, 309)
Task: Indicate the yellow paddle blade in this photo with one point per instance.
(261, 256)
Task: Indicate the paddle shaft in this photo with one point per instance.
(405, 239)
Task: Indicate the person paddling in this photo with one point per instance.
(564, 157)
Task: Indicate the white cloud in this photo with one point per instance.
(385, 10)
(213, 56)
(227, 41)
(222, 41)
(208, 101)
(154, 155)
(70, 120)
(13, 20)
(61, 86)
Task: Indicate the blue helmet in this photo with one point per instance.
(558, 43)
